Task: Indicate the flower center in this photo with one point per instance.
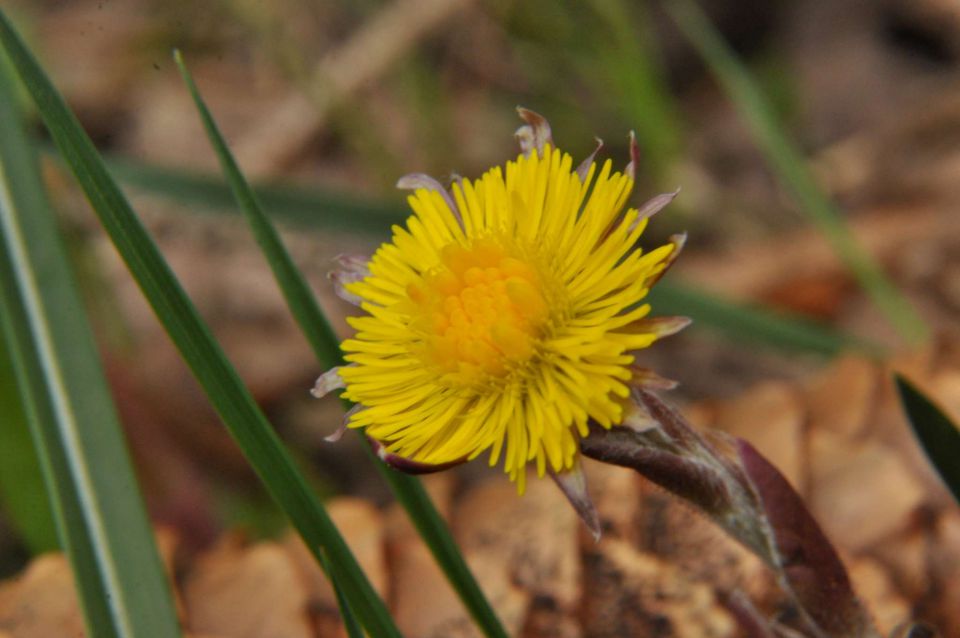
(481, 312)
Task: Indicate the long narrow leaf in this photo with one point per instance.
(938, 435)
(23, 496)
(789, 165)
(350, 622)
(295, 289)
(100, 516)
(754, 324)
(626, 62)
(317, 329)
(233, 402)
(303, 206)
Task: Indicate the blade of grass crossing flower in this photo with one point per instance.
(100, 516)
(23, 498)
(788, 163)
(313, 323)
(938, 435)
(219, 379)
(295, 289)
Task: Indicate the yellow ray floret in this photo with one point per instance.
(506, 324)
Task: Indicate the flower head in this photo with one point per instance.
(505, 316)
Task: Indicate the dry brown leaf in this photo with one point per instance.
(42, 602)
(255, 592)
(905, 558)
(771, 417)
(361, 525)
(945, 388)
(533, 538)
(944, 566)
(842, 396)
(657, 571)
(861, 493)
(873, 584)
(425, 605)
(439, 487)
(688, 540)
(630, 593)
(168, 543)
(422, 600)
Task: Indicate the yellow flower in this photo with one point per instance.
(504, 317)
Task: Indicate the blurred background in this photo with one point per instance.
(327, 103)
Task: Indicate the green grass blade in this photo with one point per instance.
(295, 289)
(753, 324)
(23, 497)
(298, 205)
(627, 65)
(789, 165)
(219, 379)
(938, 435)
(313, 323)
(100, 516)
(349, 619)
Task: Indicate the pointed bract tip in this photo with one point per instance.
(344, 424)
(655, 204)
(650, 380)
(415, 181)
(638, 418)
(584, 169)
(337, 434)
(535, 134)
(666, 326)
(658, 327)
(327, 383)
(350, 269)
(353, 264)
(573, 484)
(633, 166)
(678, 241)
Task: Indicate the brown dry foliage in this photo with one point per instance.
(661, 569)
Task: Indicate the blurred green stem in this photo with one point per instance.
(793, 172)
(628, 62)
